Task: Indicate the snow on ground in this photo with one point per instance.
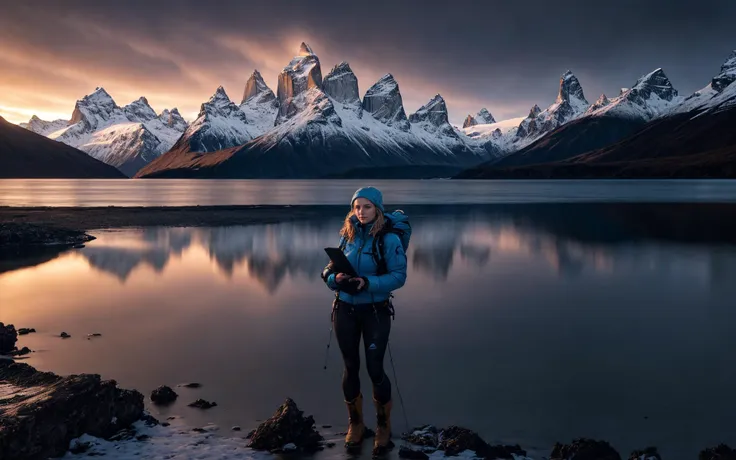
(479, 131)
(172, 442)
(179, 442)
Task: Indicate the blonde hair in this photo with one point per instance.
(348, 228)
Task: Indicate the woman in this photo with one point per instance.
(363, 307)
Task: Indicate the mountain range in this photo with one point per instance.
(318, 126)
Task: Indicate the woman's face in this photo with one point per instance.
(364, 210)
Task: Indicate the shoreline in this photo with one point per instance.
(103, 217)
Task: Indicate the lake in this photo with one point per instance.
(187, 192)
(524, 323)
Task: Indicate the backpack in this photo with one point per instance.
(396, 222)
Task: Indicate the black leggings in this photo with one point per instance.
(374, 325)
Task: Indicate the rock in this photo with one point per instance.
(171, 417)
(191, 385)
(485, 116)
(95, 334)
(584, 449)
(149, 419)
(469, 121)
(49, 411)
(301, 74)
(289, 447)
(433, 112)
(165, 424)
(326, 426)
(720, 452)
(235, 428)
(199, 430)
(341, 84)
(202, 404)
(650, 453)
(21, 352)
(383, 100)
(250, 434)
(64, 335)
(24, 330)
(8, 337)
(142, 437)
(426, 435)
(256, 87)
(454, 439)
(287, 425)
(17, 238)
(163, 395)
(330, 444)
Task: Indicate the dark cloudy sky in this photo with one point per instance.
(503, 55)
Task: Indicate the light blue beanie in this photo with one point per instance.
(370, 193)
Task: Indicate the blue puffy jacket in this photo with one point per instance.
(360, 255)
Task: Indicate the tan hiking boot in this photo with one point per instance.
(382, 442)
(356, 429)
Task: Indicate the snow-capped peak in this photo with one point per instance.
(43, 127)
(139, 110)
(571, 92)
(341, 84)
(257, 89)
(433, 112)
(600, 103)
(727, 75)
(305, 50)
(715, 93)
(300, 75)
(384, 101)
(651, 96)
(655, 82)
(95, 109)
(534, 111)
(485, 116)
(173, 119)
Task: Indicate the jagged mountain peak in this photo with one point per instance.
(305, 50)
(655, 82)
(95, 109)
(384, 101)
(257, 90)
(301, 74)
(220, 94)
(727, 75)
(469, 121)
(730, 63)
(139, 110)
(341, 84)
(571, 92)
(485, 116)
(534, 111)
(433, 112)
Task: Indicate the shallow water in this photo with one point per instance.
(509, 324)
(188, 192)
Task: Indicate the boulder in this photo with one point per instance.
(287, 425)
(163, 395)
(47, 411)
(584, 449)
(8, 337)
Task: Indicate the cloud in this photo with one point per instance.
(503, 55)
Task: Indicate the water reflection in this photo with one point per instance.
(271, 253)
(557, 324)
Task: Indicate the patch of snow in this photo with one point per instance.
(168, 443)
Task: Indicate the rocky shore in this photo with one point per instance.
(45, 415)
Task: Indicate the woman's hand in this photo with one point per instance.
(361, 282)
(341, 277)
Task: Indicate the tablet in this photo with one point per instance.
(340, 263)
